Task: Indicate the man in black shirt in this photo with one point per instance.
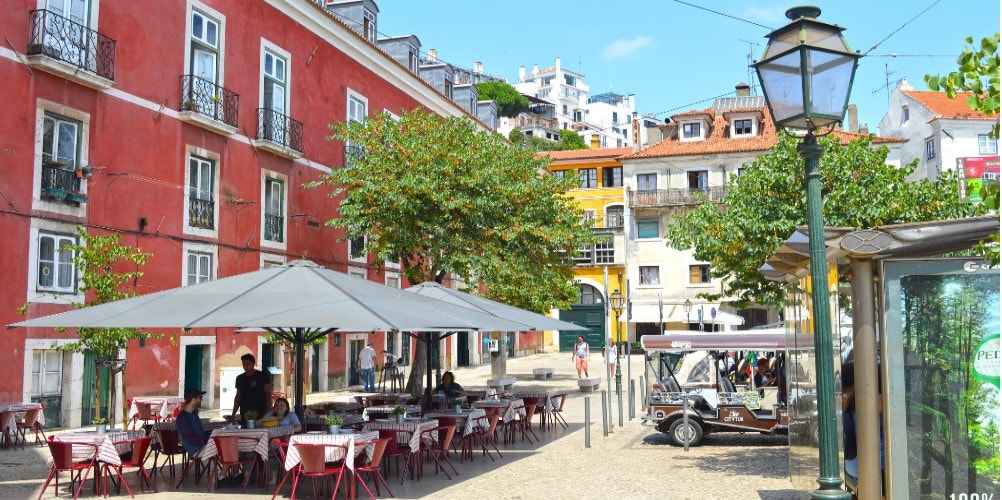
(253, 390)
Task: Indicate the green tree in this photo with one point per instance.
(767, 202)
(510, 101)
(442, 197)
(570, 139)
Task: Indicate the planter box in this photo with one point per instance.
(76, 197)
(54, 193)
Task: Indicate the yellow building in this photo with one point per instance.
(600, 267)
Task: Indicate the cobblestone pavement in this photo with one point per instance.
(634, 461)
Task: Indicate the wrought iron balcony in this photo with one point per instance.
(280, 129)
(61, 183)
(60, 38)
(613, 220)
(201, 213)
(352, 153)
(675, 196)
(274, 227)
(205, 97)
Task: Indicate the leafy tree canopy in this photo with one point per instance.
(510, 101)
(767, 202)
(978, 73)
(443, 197)
(570, 139)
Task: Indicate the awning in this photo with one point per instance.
(674, 313)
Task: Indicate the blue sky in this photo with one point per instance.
(675, 57)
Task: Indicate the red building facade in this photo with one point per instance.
(189, 128)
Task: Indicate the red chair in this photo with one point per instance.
(144, 412)
(372, 467)
(483, 435)
(169, 445)
(29, 424)
(136, 458)
(436, 447)
(557, 415)
(522, 424)
(313, 464)
(6, 419)
(281, 450)
(63, 460)
(193, 461)
(228, 453)
(399, 447)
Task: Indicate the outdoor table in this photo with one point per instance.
(341, 407)
(466, 421)
(107, 451)
(388, 409)
(548, 401)
(16, 410)
(170, 425)
(292, 458)
(263, 437)
(413, 425)
(507, 408)
(317, 422)
(163, 406)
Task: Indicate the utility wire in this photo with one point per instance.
(901, 27)
(700, 7)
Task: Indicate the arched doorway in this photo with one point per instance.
(589, 312)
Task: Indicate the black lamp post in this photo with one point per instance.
(616, 303)
(806, 74)
(687, 307)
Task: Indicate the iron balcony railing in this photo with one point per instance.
(201, 213)
(353, 153)
(614, 219)
(675, 196)
(60, 38)
(59, 182)
(205, 97)
(280, 129)
(273, 227)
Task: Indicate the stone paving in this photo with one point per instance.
(634, 461)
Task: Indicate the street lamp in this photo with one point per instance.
(806, 74)
(687, 307)
(616, 303)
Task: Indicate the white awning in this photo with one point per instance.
(673, 313)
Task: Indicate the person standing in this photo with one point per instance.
(253, 390)
(367, 364)
(610, 357)
(580, 356)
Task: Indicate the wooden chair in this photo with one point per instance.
(436, 447)
(228, 453)
(136, 459)
(63, 460)
(313, 464)
(372, 467)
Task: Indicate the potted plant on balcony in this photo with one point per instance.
(76, 197)
(251, 418)
(334, 423)
(400, 412)
(189, 105)
(101, 423)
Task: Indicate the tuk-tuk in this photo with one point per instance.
(694, 373)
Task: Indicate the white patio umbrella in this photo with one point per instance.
(499, 309)
(299, 302)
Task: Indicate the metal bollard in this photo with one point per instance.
(633, 404)
(643, 392)
(587, 422)
(605, 416)
(619, 398)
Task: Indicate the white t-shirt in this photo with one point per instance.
(610, 354)
(366, 357)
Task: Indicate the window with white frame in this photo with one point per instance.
(589, 177)
(46, 372)
(612, 176)
(61, 143)
(743, 127)
(201, 192)
(393, 281)
(275, 82)
(56, 267)
(199, 267)
(588, 218)
(357, 112)
(697, 179)
(605, 252)
(204, 47)
(274, 210)
(699, 273)
(647, 182)
(647, 229)
(930, 149)
(691, 130)
(369, 25)
(614, 216)
(987, 145)
(904, 114)
(650, 275)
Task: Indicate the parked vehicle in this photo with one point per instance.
(692, 377)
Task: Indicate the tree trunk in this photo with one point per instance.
(415, 382)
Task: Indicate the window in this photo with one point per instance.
(356, 108)
(904, 114)
(274, 76)
(987, 145)
(650, 275)
(742, 127)
(560, 174)
(60, 156)
(356, 247)
(199, 267)
(699, 273)
(647, 228)
(412, 59)
(588, 295)
(930, 149)
(393, 281)
(448, 89)
(56, 269)
(589, 177)
(201, 189)
(612, 176)
(605, 252)
(690, 131)
(65, 39)
(369, 25)
(274, 210)
(584, 256)
(647, 182)
(614, 216)
(46, 372)
(588, 218)
(204, 47)
(697, 179)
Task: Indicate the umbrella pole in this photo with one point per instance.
(300, 354)
(427, 385)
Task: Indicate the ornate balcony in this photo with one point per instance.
(201, 213)
(62, 184)
(64, 47)
(352, 153)
(675, 196)
(207, 105)
(279, 134)
(274, 227)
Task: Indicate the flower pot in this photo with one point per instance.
(102, 428)
(334, 429)
(459, 409)
(400, 418)
(252, 424)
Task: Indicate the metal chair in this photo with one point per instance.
(557, 415)
(193, 460)
(436, 447)
(313, 464)
(136, 459)
(63, 460)
(29, 424)
(373, 466)
(168, 446)
(399, 447)
(482, 436)
(228, 454)
(281, 450)
(144, 412)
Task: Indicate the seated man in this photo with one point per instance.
(763, 377)
(193, 436)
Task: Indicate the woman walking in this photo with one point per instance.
(580, 356)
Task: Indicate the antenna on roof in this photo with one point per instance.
(887, 83)
(751, 59)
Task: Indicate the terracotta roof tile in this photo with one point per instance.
(944, 107)
(694, 112)
(717, 141)
(847, 137)
(580, 154)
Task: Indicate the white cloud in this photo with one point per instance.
(624, 48)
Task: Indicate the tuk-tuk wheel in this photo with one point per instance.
(679, 433)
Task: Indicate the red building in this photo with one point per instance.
(188, 127)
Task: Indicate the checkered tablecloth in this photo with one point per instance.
(163, 406)
(316, 420)
(262, 437)
(508, 408)
(170, 425)
(332, 454)
(107, 449)
(548, 401)
(415, 427)
(465, 421)
(17, 412)
(337, 406)
(411, 410)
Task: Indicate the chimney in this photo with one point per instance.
(654, 135)
(432, 55)
(478, 67)
(853, 119)
(904, 85)
(864, 129)
(594, 141)
(742, 90)
(558, 64)
(535, 69)
(521, 73)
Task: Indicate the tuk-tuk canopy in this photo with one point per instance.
(774, 339)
